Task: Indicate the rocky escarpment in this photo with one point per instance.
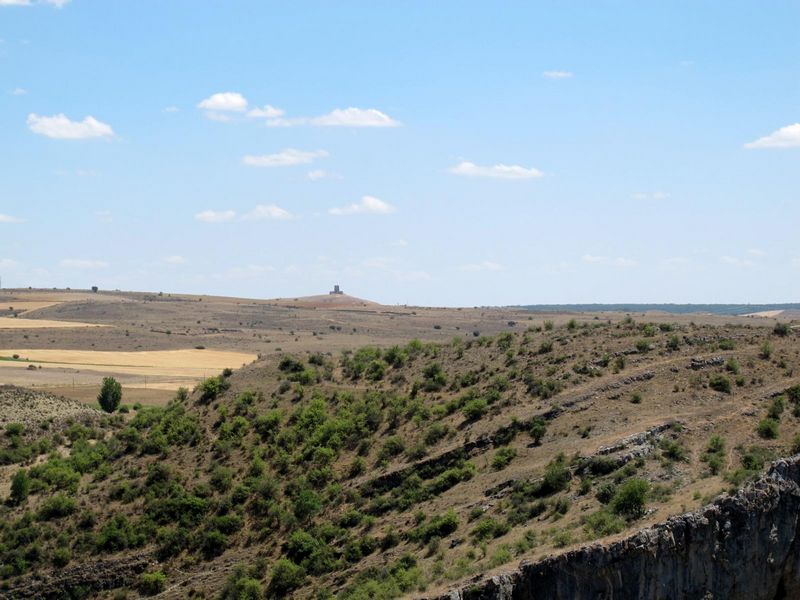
(80, 580)
(741, 547)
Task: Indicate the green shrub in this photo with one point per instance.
(673, 450)
(630, 498)
(438, 526)
(605, 492)
(243, 584)
(286, 576)
(768, 428)
(20, 487)
(776, 408)
(56, 507)
(212, 387)
(602, 523)
(720, 383)
(537, 430)
(503, 458)
(474, 409)
(556, 476)
(152, 583)
(15, 429)
(781, 329)
(61, 556)
(434, 378)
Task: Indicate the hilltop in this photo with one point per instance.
(402, 469)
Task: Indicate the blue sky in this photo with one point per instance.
(439, 153)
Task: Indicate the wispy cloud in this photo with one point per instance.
(9, 219)
(80, 263)
(368, 205)
(61, 128)
(216, 216)
(266, 112)
(484, 265)
(355, 117)
(500, 171)
(264, 212)
(170, 109)
(319, 174)
(734, 261)
(175, 259)
(785, 137)
(756, 252)
(56, 3)
(18, 91)
(557, 74)
(284, 158)
(8, 263)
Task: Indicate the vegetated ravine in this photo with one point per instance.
(406, 471)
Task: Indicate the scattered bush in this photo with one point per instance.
(720, 383)
(152, 583)
(503, 458)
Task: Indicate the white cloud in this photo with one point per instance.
(742, 263)
(319, 174)
(485, 265)
(608, 261)
(57, 3)
(785, 137)
(557, 74)
(15, 3)
(8, 263)
(399, 243)
(170, 109)
(79, 263)
(9, 219)
(756, 252)
(18, 92)
(284, 158)
(468, 169)
(215, 216)
(104, 216)
(368, 205)
(174, 260)
(61, 128)
(355, 117)
(268, 211)
(650, 196)
(267, 112)
(224, 102)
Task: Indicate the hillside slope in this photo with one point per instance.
(398, 471)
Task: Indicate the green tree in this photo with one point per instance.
(631, 498)
(110, 394)
(20, 486)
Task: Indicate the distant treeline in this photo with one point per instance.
(679, 309)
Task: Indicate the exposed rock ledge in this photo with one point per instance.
(741, 547)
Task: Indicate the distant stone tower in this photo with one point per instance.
(336, 291)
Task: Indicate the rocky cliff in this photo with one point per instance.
(741, 547)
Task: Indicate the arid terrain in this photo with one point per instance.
(354, 450)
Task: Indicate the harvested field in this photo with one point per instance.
(18, 323)
(172, 363)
